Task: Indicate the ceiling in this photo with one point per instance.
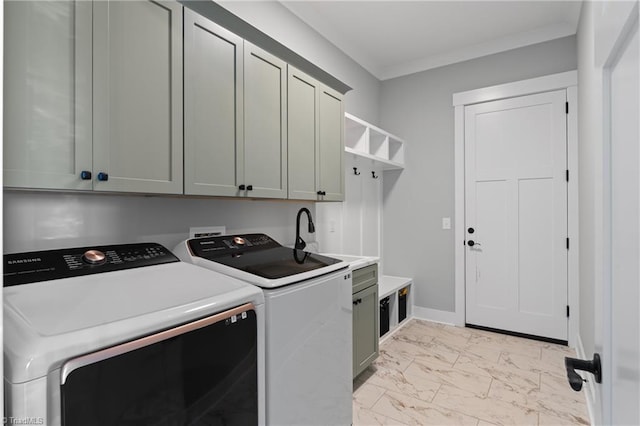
(396, 38)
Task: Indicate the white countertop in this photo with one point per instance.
(355, 262)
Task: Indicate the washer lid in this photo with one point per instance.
(48, 322)
(257, 259)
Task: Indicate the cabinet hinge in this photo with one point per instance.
(567, 175)
(567, 311)
(567, 243)
(567, 107)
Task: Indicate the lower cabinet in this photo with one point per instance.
(365, 318)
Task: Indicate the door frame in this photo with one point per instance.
(566, 80)
(613, 26)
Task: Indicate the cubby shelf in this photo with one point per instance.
(368, 141)
(389, 286)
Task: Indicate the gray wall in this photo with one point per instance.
(279, 23)
(419, 109)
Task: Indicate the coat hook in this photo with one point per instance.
(356, 172)
(373, 173)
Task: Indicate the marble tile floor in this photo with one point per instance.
(435, 374)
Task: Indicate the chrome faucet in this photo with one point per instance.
(300, 244)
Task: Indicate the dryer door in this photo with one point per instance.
(200, 373)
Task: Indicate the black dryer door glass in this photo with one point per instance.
(206, 376)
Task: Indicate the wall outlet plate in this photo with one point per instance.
(446, 223)
(206, 231)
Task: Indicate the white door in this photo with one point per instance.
(516, 215)
(621, 352)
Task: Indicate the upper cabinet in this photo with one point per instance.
(47, 94)
(265, 131)
(315, 132)
(235, 111)
(213, 108)
(331, 165)
(137, 96)
(91, 100)
(95, 99)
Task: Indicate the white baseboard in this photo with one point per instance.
(590, 388)
(434, 315)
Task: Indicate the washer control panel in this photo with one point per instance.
(230, 245)
(30, 267)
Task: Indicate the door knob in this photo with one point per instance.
(472, 243)
(471, 230)
(572, 364)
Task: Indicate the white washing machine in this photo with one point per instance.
(308, 323)
(129, 335)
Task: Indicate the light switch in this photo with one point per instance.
(446, 223)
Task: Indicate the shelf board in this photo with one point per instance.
(368, 141)
(388, 285)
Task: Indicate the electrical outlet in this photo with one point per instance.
(446, 223)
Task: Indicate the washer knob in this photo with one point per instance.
(94, 257)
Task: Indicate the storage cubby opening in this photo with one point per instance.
(356, 136)
(396, 151)
(378, 144)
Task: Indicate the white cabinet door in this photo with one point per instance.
(265, 131)
(302, 122)
(213, 107)
(137, 63)
(516, 214)
(47, 94)
(330, 164)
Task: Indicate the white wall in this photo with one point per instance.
(590, 128)
(279, 23)
(418, 108)
(47, 220)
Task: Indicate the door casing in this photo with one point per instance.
(566, 80)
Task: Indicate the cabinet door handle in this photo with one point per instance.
(322, 193)
(85, 175)
(242, 187)
(103, 177)
(249, 187)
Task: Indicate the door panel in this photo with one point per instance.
(137, 96)
(535, 250)
(365, 328)
(265, 140)
(492, 278)
(303, 135)
(516, 201)
(47, 94)
(331, 146)
(213, 107)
